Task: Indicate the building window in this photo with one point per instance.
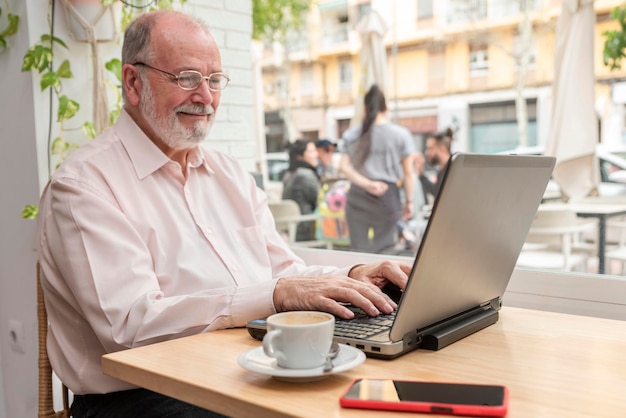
(274, 131)
(465, 10)
(297, 40)
(342, 125)
(494, 126)
(281, 87)
(504, 8)
(345, 74)
(310, 135)
(478, 60)
(333, 17)
(436, 70)
(424, 9)
(307, 85)
(531, 50)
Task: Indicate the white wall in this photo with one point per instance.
(19, 186)
(23, 172)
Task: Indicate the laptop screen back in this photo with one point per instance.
(478, 225)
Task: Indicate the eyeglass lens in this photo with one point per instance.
(189, 80)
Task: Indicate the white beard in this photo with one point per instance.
(170, 130)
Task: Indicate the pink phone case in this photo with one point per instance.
(428, 407)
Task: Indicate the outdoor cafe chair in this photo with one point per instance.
(553, 241)
(287, 215)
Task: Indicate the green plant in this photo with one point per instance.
(273, 19)
(114, 66)
(39, 57)
(30, 212)
(615, 41)
(10, 29)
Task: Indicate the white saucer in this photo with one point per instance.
(255, 360)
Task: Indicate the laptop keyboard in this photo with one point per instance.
(362, 326)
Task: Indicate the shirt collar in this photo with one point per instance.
(145, 156)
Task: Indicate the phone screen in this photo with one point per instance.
(442, 393)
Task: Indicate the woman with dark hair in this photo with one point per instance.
(377, 161)
(302, 183)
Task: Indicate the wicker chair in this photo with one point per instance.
(46, 405)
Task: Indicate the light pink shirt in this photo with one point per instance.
(132, 253)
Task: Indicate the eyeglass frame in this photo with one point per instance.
(178, 77)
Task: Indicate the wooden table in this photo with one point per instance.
(555, 365)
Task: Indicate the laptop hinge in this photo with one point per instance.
(442, 336)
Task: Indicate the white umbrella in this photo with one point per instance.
(373, 58)
(573, 132)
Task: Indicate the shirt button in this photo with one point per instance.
(234, 268)
(209, 231)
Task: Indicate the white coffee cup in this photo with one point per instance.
(299, 339)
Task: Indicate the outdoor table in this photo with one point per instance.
(602, 209)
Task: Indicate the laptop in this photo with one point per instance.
(473, 238)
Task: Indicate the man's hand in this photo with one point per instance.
(379, 274)
(325, 293)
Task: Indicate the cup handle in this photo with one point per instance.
(268, 343)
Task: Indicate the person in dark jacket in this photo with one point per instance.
(302, 183)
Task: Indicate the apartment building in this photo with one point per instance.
(449, 63)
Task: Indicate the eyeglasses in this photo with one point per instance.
(191, 79)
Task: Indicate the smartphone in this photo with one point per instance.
(257, 328)
(427, 397)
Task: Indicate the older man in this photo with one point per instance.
(437, 153)
(145, 236)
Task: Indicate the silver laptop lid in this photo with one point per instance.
(478, 225)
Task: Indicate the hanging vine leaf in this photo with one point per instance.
(37, 57)
(11, 29)
(30, 212)
(115, 67)
(49, 79)
(59, 146)
(67, 108)
(90, 130)
(64, 70)
(49, 39)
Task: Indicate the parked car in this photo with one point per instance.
(277, 165)
(612, 165)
